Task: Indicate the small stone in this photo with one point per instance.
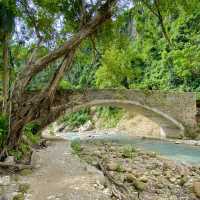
(183, 180)
(156, 173)
(159, 186)
(129, 169)
(112, 166)
(10, 160)
(144, 179)
(139, 185)
(196, 188)
(5, 180)
(107, 192)
(172, 179)
(152, 154)
(130, 178)
(99, 185)
(51, 197)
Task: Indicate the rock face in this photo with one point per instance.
(196, 188)
(138, 125)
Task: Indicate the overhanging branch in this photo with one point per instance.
(34, 68)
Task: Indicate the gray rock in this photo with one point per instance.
(10, 160)
(112, 166)
(5, 180)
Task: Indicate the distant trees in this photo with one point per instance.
(7, 17)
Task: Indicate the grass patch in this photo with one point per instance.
(23, 188)
(119, 168)
(76, 146)
(19, 197)
(25, 172)
(128, 151)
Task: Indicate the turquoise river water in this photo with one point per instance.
(179, 152)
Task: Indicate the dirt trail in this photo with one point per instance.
(62, 176)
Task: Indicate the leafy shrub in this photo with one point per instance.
(114, 69)
(31, 132)
(64, 84)
(33, 137)
(110, 116)
(128, 151)
(76, 146)
(20, 152)
(77, 119)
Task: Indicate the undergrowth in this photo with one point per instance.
(76, 119)
(110, 116)
(76, 146)
(31, 136)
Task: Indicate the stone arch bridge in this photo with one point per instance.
(175, 112)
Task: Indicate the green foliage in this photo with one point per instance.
(110, 116)
(3, 129)
(165, 67)
(7, 14)
(77, 119)
(128, 151)
(24, 187)
(119, 168)
(31, 132)
(19, 197)
(76, 146)
(115, 68)
(64, 84)
(20, 152)
(32, 137)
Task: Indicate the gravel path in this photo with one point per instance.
(62, 176)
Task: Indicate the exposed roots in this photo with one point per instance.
(119, 190)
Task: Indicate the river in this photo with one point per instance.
(183, 153)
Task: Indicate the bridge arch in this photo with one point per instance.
(169, 126)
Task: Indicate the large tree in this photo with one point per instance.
(84, 18)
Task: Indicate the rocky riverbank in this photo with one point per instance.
(138, 175)
(107, 171)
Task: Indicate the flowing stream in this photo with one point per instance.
(179, 152)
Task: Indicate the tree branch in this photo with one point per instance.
(59, 73)
(31, 70)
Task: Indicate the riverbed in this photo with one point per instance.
(183, 153)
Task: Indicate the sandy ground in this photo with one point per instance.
(61, 175)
